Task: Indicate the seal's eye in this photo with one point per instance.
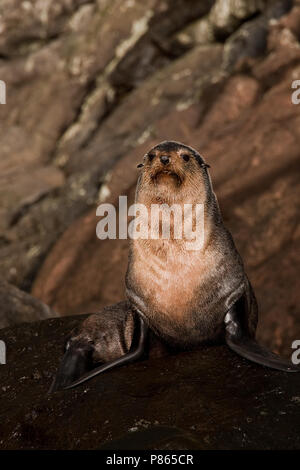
(151, 156)
(185, 157)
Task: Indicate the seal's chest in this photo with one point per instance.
(168, 284)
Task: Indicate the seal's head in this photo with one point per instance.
(174, 171)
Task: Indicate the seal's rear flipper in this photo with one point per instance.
(134, 354)
(238, 340)
(76, 361)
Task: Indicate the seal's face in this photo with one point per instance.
(172, 171)
(168, 167)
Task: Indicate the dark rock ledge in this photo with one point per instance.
(206, 399)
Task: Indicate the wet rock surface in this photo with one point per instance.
(225, 402)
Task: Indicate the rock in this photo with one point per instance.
(19, 307)
(199, 32)
(250, 40)
(155, 49)
(168, 402)
(292, 21)
(25, 24)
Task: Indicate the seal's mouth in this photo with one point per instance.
(166, 174)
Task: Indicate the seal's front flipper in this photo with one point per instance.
(239, 341)
(134, 354)
(76, 361)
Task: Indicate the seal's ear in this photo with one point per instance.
(205, 165)
(140, 165)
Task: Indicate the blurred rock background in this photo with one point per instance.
(91, 85)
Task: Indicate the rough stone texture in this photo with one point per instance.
(248, 130)
(19, 307)
(226, 15)
(167, 402)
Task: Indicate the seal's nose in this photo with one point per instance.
(164, 159)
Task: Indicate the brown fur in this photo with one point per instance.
(109, 332)
(181, 293)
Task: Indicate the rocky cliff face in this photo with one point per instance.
(91, 85)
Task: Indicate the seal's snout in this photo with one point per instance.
(164, 159)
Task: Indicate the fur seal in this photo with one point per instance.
(186, 297)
